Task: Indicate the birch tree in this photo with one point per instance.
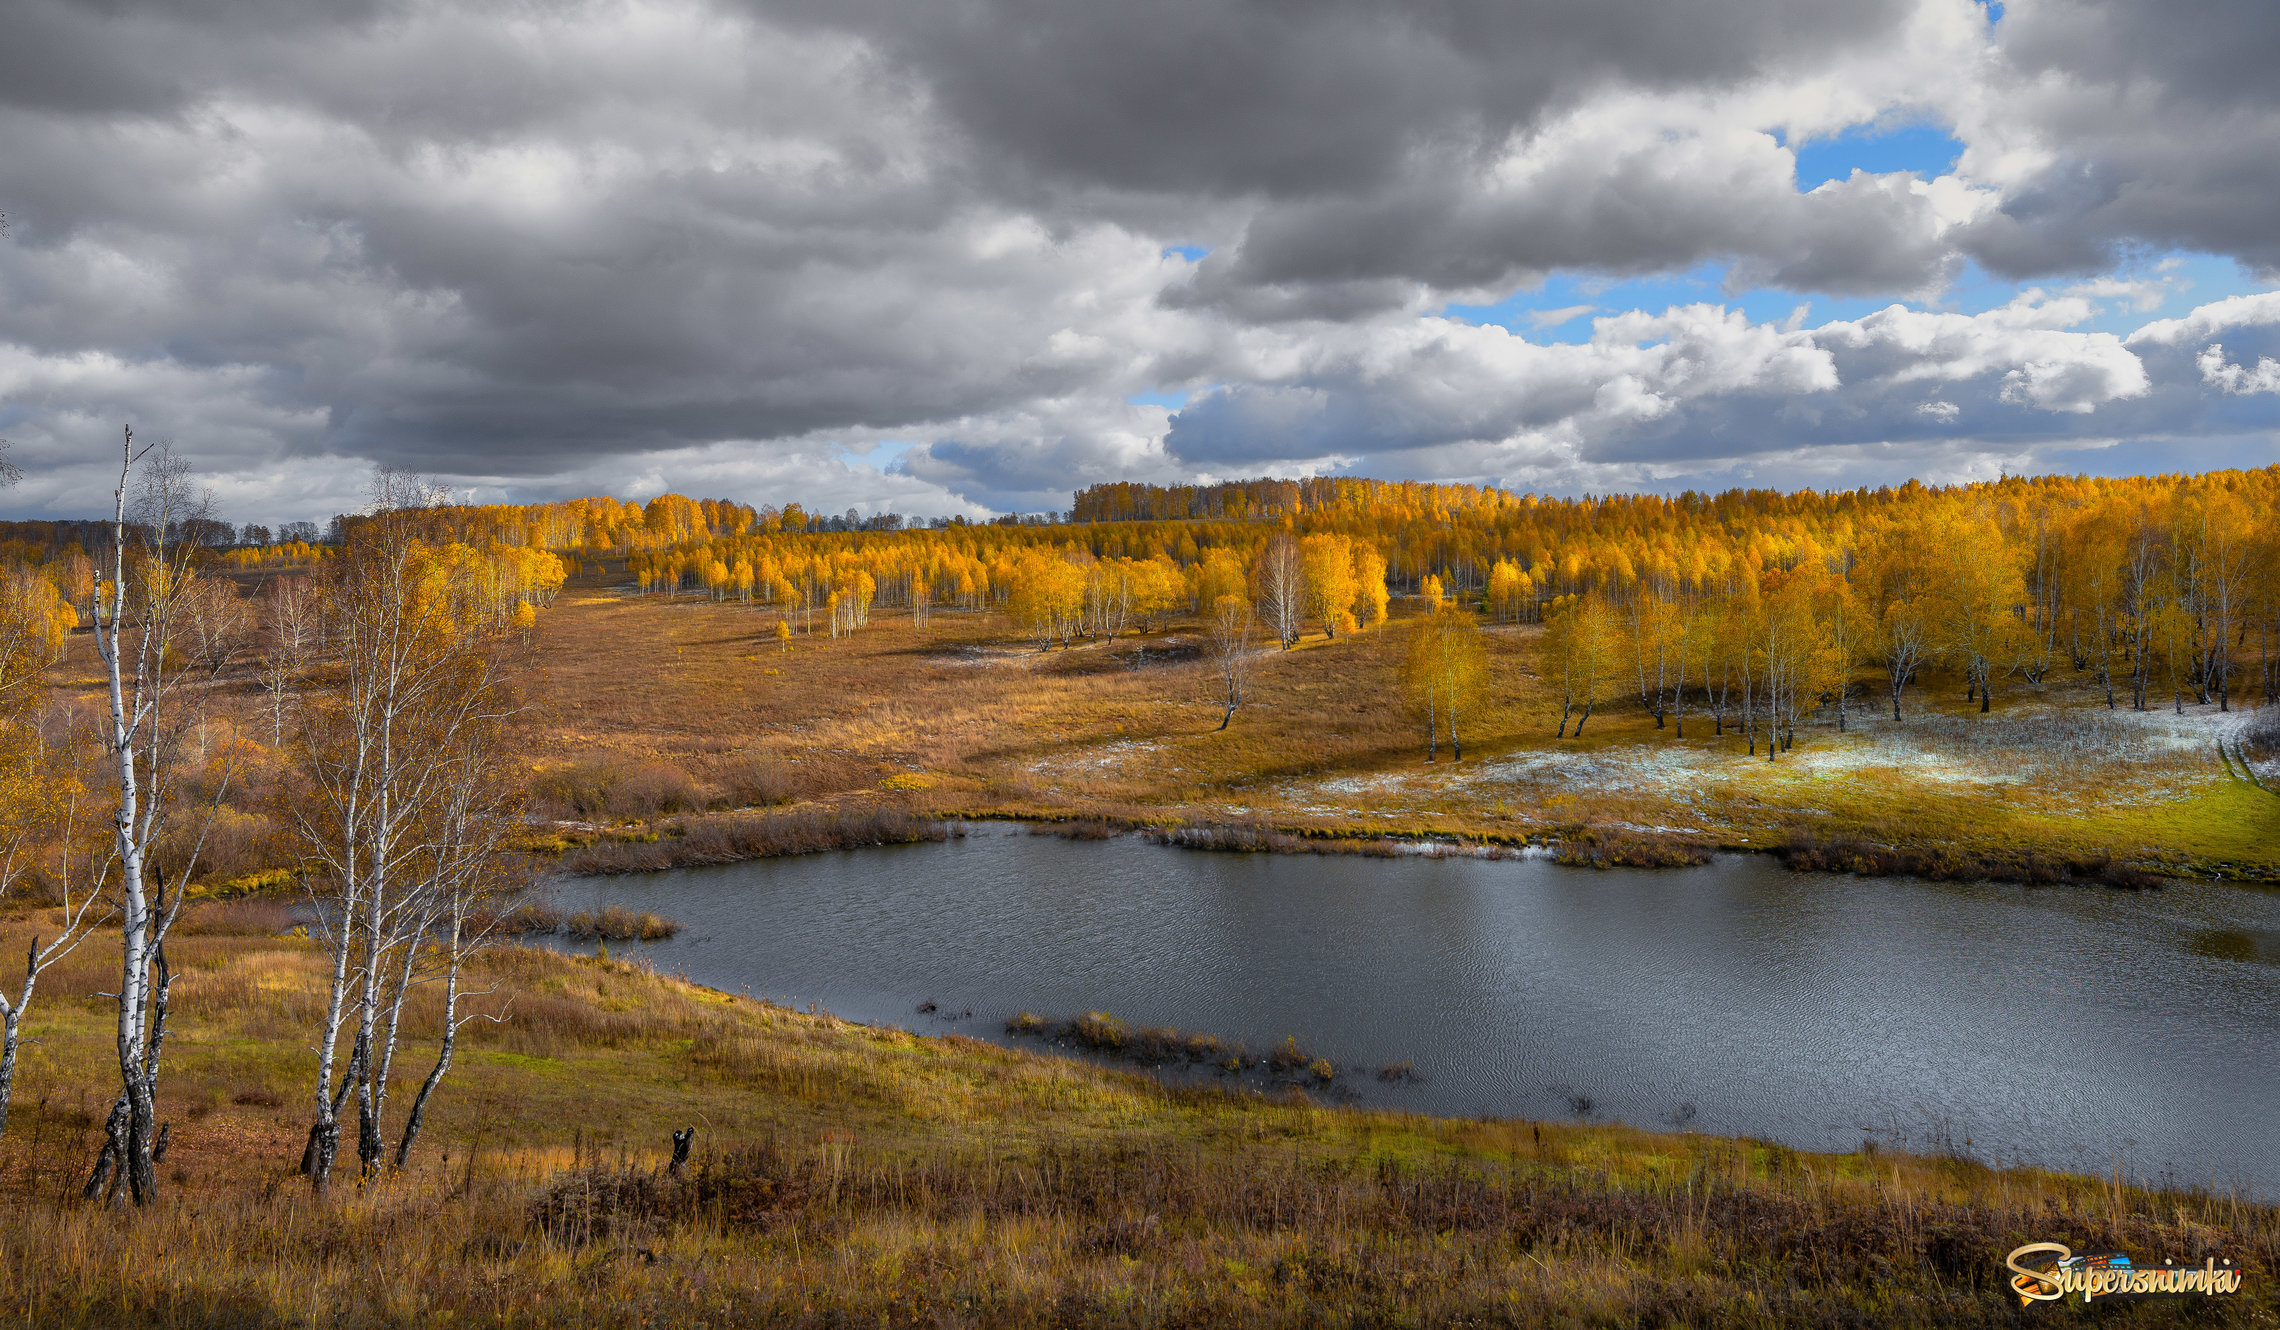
(287, 637)
(1445, 671)
(1278, 579)
(385, 757)
(1327, 563)
(135, 619)
(1579, 650)
(1898, 570)
(1231, 651)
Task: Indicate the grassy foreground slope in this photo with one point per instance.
(847, 1175)
(656, 704)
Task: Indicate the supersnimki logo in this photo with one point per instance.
(2113, 1275)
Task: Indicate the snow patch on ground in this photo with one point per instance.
(2140, 757)
(1106, 757)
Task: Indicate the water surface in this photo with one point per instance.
(2077, 1028)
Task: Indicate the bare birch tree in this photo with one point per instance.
(393, 765)
(469, 886)
(288, 634)
(137, 612)
(1231, 651)
(1279, 582)
(214, 616)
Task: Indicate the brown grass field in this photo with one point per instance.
(847, 1175)
(855, 1176)
(677, 704)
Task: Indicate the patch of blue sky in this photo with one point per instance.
(883, 455)
(1192, 253)
(1927, 150)
(1169, 401)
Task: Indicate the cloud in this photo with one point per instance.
(1702, 389)
(609, 243)
(2264, 378)
(1540, 319)
(2108, 125)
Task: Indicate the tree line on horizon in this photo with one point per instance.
(1753, 606)
(2163, 588)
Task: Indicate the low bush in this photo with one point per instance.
(580, 790)
(2260, 737)
(232, 845)
(655, 788)
(730, 838)
(260, 916)
(1591, 848)
(1077, 829)
(758, 781)
(1105, 1036)
(530, 917)
(1949, 864)
(756, 1188)
(1253, 838)
(618, 924)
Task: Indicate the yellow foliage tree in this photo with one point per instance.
(1444, 674)
(1330, 589)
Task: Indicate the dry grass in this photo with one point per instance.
(957, 718)
(848, 1175)
(660, 728)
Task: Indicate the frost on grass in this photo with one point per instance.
(1100, 757)
(2112, 758)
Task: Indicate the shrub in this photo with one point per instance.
(1591, 848)
(1077, 829)
(758, 781)
(738, 836)
(654, 788)
(530, 917)
(580, 790)
(2260, 737)
(257, 916)
(235, 845)
(755, 1188)
(1949, 864)
(618, 924)
(1096, 1030)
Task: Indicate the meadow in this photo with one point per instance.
(852, 1175)
(655, 709)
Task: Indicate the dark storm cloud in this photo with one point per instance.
(1292, 99)
(2163, 126)
(550, 244)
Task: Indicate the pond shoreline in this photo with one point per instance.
(747, 835)
(1817, 1012)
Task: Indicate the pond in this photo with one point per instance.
(2075, 1028)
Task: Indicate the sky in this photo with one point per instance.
(968, 256)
